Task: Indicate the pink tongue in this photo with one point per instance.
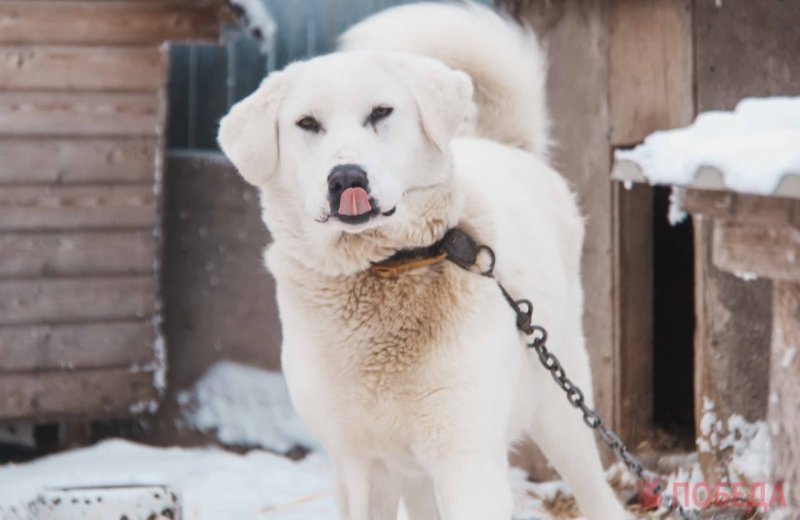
(354, 202)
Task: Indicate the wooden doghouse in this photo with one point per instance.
(619, 70)
(82, 118)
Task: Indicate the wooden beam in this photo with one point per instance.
(784, 403)
(732, 338)
(767, 251)
(77, 299)
(633, 289)
(91, 23)
(79, 114)
(50, 67)
(90, 393)
(78, 253)
(69, 160)
(69, 207)
(651, 77)
(44, 348)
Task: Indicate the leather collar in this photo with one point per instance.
(456, 246)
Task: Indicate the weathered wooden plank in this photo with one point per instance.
(67, 160)
(784, 403)
(762, 250)
(732, 341)
(633, 287)
(708, 203)
(80, 68)
(733, 56)
(87, 394)
(219, 300)
(78, 253)
(756, 209)
(121, 22)
(69, 207)
(57, 347)
(79, 113)
(765, 210)
(651, 74)
(77, 299)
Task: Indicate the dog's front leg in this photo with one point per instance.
(473, 485)
(570, 448)
(365, 491)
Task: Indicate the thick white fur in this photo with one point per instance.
(504, 61)
(417, 386)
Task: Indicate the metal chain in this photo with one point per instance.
(538, 342)
(538, 335)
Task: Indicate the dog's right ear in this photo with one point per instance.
(249, 133)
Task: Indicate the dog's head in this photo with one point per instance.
(346, 143)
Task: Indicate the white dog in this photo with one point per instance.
(418, 384)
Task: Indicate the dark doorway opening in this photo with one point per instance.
(673, 321)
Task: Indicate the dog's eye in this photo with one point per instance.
(378, 113)
(309, 124)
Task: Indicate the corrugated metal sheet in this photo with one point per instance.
(706, 178)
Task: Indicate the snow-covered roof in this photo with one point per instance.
(754, 149)
(258, 21)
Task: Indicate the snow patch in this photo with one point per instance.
(754, 146)
(213, 484)
(684, 478)
(746, 276)
(750, 451)
(708, 422)
(788, 357)
(676, 214)
(259, 23)
(245, 406)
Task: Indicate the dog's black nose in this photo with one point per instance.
(346, 176)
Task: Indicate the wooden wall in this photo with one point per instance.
(82, 109)
(219, 299)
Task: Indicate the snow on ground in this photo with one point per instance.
(754, 146)
(212, 484)
(249, 407)
(245, 406)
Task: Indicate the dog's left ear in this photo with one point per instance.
(249, 133)
(443, 96)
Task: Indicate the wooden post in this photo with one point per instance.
(731, 351)
(784, 403)
(649, 88)
(633, 316)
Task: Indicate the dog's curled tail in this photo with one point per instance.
(503, 59)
